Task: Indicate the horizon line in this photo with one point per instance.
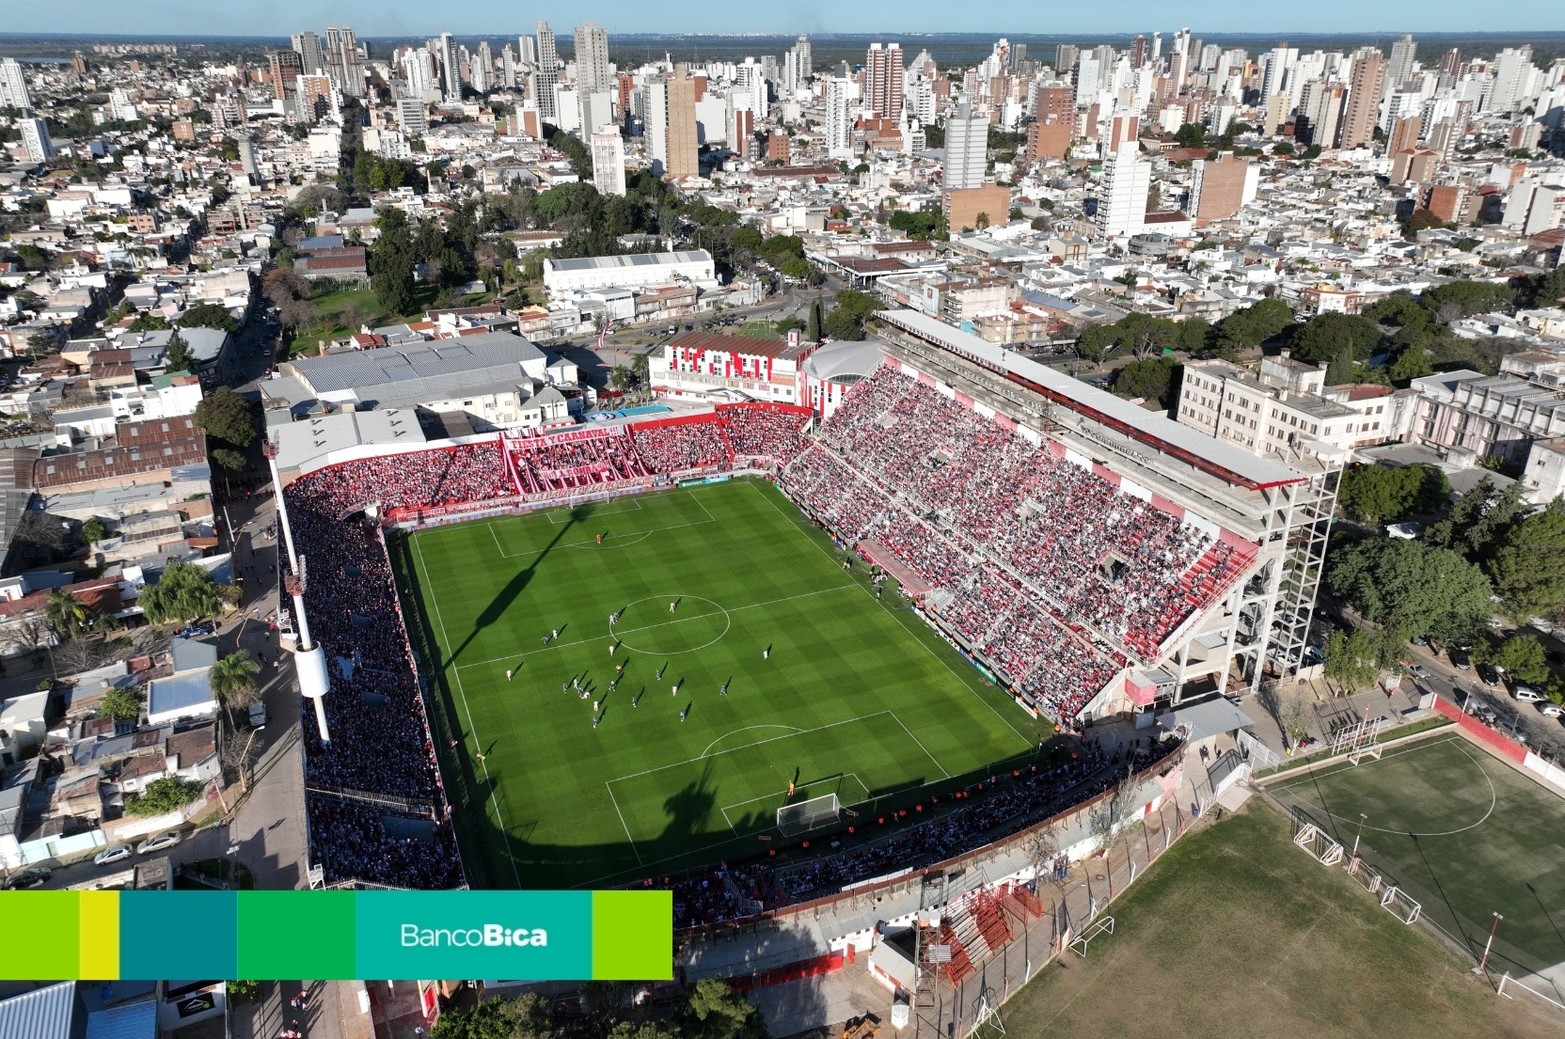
(794, 32)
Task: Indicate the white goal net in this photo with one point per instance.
(808, 814)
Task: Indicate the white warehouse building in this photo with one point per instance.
(640, 270)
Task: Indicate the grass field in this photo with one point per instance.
(1235, 931)
(1463, 833)
(857, 697)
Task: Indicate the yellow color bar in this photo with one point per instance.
(98, 948)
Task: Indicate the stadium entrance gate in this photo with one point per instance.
(1257, 753)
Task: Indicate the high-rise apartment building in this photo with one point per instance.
(967, 148)
(547, 74)
(450, 69)
(839, 119)
(1122, 196)
(883, 80)
(284, 69)
(35, 140)
(608, 160)
(798, 65)
(1220, 187)
(1512, 69)
(416, 76)
(1065, 56)
(411, 115)
(308, 46)
(1366, 84)
(13, 85)
(480, 68)
(671, 125)
(1403, 64)
(1275, 65)
(341, 55)
(592, 58)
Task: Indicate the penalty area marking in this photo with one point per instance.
(630, 503)
(1494, 797)
(792, 730)
(615, 802)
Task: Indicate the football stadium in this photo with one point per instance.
(772, 655)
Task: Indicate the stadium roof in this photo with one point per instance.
(1157, 430)
(845, 357)
(299, 442)
(595, 263)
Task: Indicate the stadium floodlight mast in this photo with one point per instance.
(1483, 964)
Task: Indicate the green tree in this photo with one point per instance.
(1412, 362)
(1479, 520)
(209, 315)
(233, 680)
(1190, 135)
(1326, 336)
(1374, 493)
(67, 614)
(1350, 658)
(229, 459)
(714, 1011)
(315, 199)
(1459, 299)
(813, 325)
(162, 796)
(227, 416)
(1527, 564)
(178, 357)
(94, 530)
(1151, 378)
(1425, 589)
(148, 322)
(524, 1018)
(184, 592)
(392, 263)
(1194, 333)
(120, 703)
(1255, 324)
(1522, 656)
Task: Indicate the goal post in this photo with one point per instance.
(809, 814)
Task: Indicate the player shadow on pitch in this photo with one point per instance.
(507, 596)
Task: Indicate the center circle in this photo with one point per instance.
(648, 626)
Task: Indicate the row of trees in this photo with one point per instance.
(1373, 493)
(709, 1010)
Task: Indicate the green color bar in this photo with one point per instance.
(42, 929)
(297, 934)
(632, 935)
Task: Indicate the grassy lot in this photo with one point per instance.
(344, 311)
(829, 688)
(1464, 834)
(1236, 932)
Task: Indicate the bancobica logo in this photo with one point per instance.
(488, 936)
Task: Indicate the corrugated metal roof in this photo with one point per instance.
(459, 366)
(41, 1014)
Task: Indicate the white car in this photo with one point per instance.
(1551, 710)
(112, 854)
(1527, 694)
(159, 842)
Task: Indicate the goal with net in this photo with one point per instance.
(808, 815)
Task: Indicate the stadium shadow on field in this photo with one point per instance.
(507, 596)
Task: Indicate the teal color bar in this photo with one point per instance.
(178, 934)
(514, 935)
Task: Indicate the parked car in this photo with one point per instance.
(258, 716)
(163, 840)
(1527, 694)
(1419, 671)
(27, 878)
(1420, 640)
(1460, 659)
(1550, 710)
(112, 854)
(1489, 674)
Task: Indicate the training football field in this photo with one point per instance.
(1461, 832)
(828, 688)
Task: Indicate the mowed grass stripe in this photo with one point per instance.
(746, 571)
(1463, 833)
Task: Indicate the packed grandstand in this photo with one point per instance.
(1033, 560)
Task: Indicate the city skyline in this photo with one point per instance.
(173, 17)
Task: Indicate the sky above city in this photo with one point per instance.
(503, 17)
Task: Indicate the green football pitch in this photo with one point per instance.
(1464, 834)
(828, 687)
